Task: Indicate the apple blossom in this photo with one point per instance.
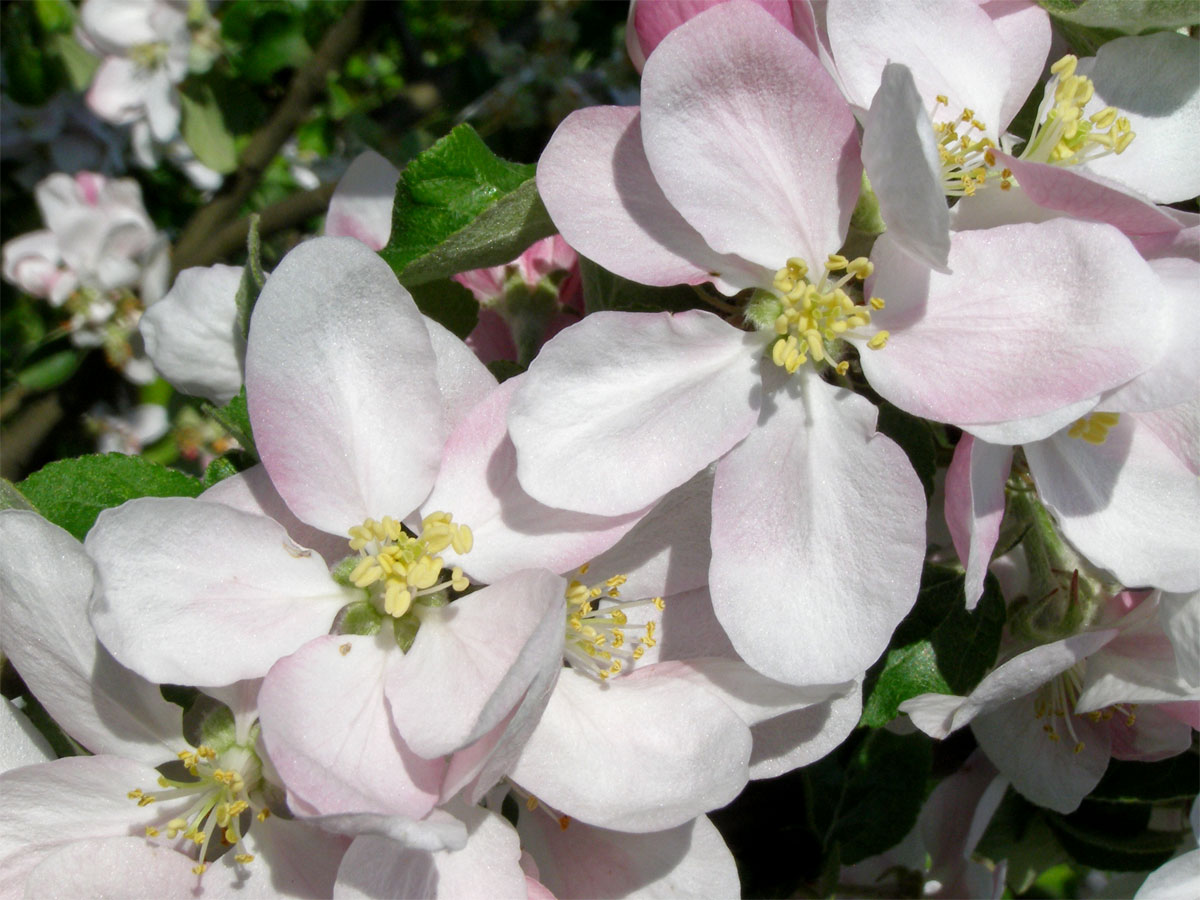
(108, 798)
(1050, 717)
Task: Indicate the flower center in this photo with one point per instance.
(1094, 428)
(149, 56)
(400, 567)
(220, 785)
(965, 152)
(595, 640)
(1063, 136)
(812, 319)
(1056, 699)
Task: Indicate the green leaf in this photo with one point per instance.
(915, 438)
(1127, 781)
(78, 64)
(55, 15)
(218, 470)
(604, 290)
(1114, 837)
(11, 498)
(203, 128)
(939, 647)
(252, 279)
(1126, 16)
(72, 492)
(51, 371)
(866, 795)
(458, 207)
(234, 417)
(448, 303)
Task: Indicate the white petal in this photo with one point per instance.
(478, 485)
(329, 733)
(1129, 504)
(901, 159)
(488, 866)
(811, 482)
(580, 861)
(341, 387)
(1177, 879)
(975, 507)
(361, 206)
(193, 335)
(622, 407)
(198, 593)
(463, 379)
(1181, 621)
(47, 579)
(472, 661)
(674, 746)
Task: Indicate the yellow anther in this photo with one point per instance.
(1064, 67)
(583, 570)
(842, 368)
(263, 814)
(836, 262)
(151, 831)
(244, 858)
(200, 869)
(877, 303)
(1094, 428)
(942, 99)
(531, 803)
(879, 340)
(659, 603)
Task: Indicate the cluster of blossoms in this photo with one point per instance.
(659, 561)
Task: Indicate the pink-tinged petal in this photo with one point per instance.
(667, 552)
(473, 661)
(749, 138)
(21, 744)
(31, 262)
(341, 386)
(975, 506)
(901, 158)
(329, 733)
(939, 714)
(1181, 621)
(1154, 735)
(1033, 318)
(116, 94)
(122, 867)
(676, 748)
(1176, 376)
(189, 592)
(687, 628)
(1178, 427)
(597, 185)
(475, 770)
(1025, 29)
(1050, 773)
(1086, 195)
(361, 206)
(1177, 879)
(811, 481)
(652, 20)
(970, 795)
(803, 736)
(478, 485)
(463, 379)
(1129, 504)
(55, 804)
(1153, 81)
(952, 48)
(535, 890)
(46, 580)
(580, 862)
(193, 336)
(251, 491)
(488, 866)
(623, 407)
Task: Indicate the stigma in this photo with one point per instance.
(812, 319)
(398, 567)
(596, 641)
(220, 786)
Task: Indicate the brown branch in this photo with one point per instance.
(289, 212)
(209, 220)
